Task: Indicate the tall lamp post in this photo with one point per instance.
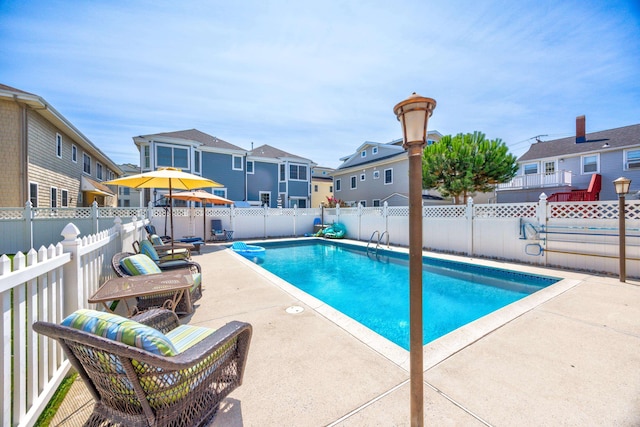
(413, 114)
(622, 188)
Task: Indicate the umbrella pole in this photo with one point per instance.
(171, 211)
(204, 221)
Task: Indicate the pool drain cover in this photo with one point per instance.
(294, 309)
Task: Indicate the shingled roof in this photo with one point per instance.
(273, 153)
(615, 138)
(198, 136)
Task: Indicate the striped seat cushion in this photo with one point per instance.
(156, 240)
(186, 336)
(118, 328)
(139, 264)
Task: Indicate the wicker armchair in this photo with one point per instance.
(135, 387)
(153, 301)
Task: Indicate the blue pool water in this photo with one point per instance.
(374, 290)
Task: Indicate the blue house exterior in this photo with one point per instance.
(265, 175)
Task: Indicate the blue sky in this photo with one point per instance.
(317, 79)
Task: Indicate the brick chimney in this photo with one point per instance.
(581, 135)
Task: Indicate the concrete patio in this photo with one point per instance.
(570, 360)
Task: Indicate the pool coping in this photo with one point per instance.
(446, 346)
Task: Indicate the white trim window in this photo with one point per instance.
(376, 203)
(338, 184)
(590, 163)
(363, 176)
(632, 159)
(64, 195)
(354, 182)
(86, 163)
(282, 176)
(297, 172)
(196, 161)
(530, 169)
(363, 153)
(374, 150)
(33, 194)
(171, 156)
(363, 203)
(146, 157)
(376, 174)
(54, 197)
(236, 162)
(250, 167)
(388, 176)
(58, 145)
(265, 198)
(74, 153)
(99, 170)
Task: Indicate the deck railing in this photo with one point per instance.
(537, 180)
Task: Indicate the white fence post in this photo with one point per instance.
(469, 216)
(28, 225)
(359, 221)
(385, 215)
(73, 292)
(295, 217)
(117, 223)
(94, 218)
(232, 217)
(542, 215)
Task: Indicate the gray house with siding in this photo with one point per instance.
(376, 173)
(265, 175)
(568, 164)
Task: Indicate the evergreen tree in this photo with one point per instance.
(466, 163)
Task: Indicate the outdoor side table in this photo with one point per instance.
(176, 283)
(229, 234)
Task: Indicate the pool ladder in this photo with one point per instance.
(371, 239)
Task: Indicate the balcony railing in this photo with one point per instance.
(538, 180)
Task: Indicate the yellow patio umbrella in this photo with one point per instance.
(203, 197)
(171, 178)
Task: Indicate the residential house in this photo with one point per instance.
(563, 167)
(321, 185)
(127, 196)
(277, 178)
(376, 173)
(46, 159)
(258, 176)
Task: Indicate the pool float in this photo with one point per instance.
(252, 252)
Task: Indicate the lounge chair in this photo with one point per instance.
(143, 372)
(218, 233)
(151, 229)
(192, 244)
(137, 264)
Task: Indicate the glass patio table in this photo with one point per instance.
(172, 283)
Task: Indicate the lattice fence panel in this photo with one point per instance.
(348, 211)
(61, 213)
(398, 211)
(372, 211)
(520, 210)
(217, 212)
(454, 211)
(11, 213)
(593, 210)
(253, 212)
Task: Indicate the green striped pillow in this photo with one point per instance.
(118, 328)
(139, 264)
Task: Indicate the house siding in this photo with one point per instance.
(218, 167)
(12, 187)
(374, 189)
(264, 178)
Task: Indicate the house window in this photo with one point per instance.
(54, 197)
(531, 169)
(590, 164)
(632, 159)
(147, 157)
(549, 168)
(86, 163)
(33, 194)
(362, 177)
(64, 194)
(250, 166)
(283, 174)
(374, 150)
(315, 188)
(196, 161)
(363, 154)
(125, 191)
(297, 172)
(363, 203)
(74, 154)
(222, 192)
(376, 203)
(331, 189)
(236, 163)
(388, 176)
(172, 157)
(98, 170)
(353, 182)
(58, 145)
(338, 184)
(265, 198)
(376, 174)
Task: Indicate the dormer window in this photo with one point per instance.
(374, 150)
(363, 154)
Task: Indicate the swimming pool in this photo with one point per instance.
(373, 289)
